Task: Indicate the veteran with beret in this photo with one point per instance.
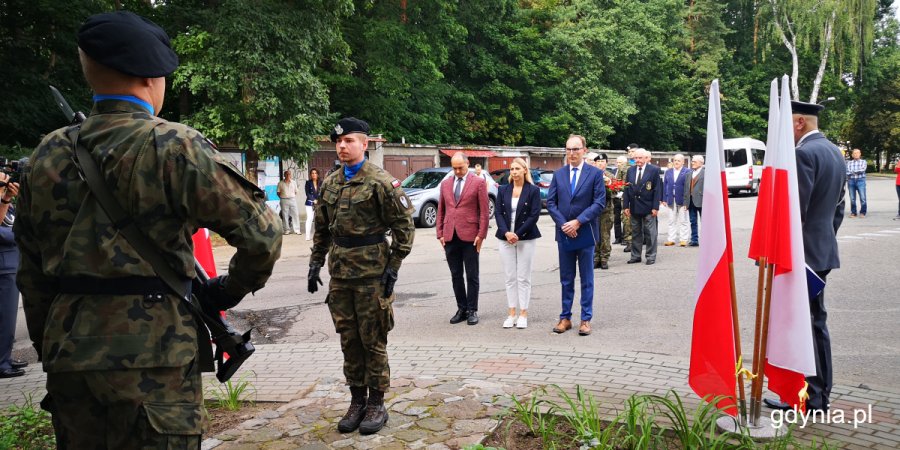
(120, 348)
(358, 204)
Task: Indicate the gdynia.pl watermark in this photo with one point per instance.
(832, 416)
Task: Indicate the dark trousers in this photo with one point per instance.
(694, 214)
(461, 255)
(583, 260)
(820, 385)
(898, 200)
(9, 308)
(617, 226)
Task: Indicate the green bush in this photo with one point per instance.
(26, 427)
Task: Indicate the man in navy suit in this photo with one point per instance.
(821, 176)
(641, 204)
(575, 199)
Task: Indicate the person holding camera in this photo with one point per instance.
(119, 346)
(9, 294)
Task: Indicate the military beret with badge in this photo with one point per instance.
(128, 43)
(806, 109)
(349, 125)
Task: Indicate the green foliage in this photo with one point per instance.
(480, 447)
(26, 427)
(252, 67)
(647, 422)
(233, 395)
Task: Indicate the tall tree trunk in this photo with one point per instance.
(826, 49)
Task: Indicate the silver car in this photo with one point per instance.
(423, 189)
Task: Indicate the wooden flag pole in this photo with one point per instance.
(760, 288)
(742, 408)
(764, 340)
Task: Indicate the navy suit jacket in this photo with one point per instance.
(821, 175)
(528, 211)
(9, 252)
(638, 198)
(673, 193)
(588, 201)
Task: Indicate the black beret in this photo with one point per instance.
(349, 125)
(808, 109)
(601, 157)
(129, 43)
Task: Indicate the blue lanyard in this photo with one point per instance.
(126, 98)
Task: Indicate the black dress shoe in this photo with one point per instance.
(10, 373)
(650, 262)
(473, 318)
(634, 260)
(604, 266)
(18, 363)
(693, 244)
(776, 404)
(619, 241)
(458, 317)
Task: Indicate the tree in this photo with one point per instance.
(253, 68)
(842, 26)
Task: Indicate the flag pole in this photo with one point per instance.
(764, 341)
(760, 288)
(737, 342)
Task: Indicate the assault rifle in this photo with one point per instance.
(228, 341)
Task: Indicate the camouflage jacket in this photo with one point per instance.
(369, 204)
(171, 181)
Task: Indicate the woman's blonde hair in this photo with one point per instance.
(524, 164)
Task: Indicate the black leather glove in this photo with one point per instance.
(214, 298)
(388, 279)
(313, 278)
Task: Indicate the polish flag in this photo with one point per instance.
(713, 359)
(759, 245)
(790, 354)
(203, 251)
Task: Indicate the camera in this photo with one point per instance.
(14, 168)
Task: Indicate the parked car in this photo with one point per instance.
(423, 189)
(541, 178)
(743, 164)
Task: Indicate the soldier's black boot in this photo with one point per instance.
(376, 414)
(356, 412)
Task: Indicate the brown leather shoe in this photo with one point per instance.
(669, 243)
(562, 326)
(585, 328)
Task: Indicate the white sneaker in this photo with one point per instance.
(522, 322)
(508, 323)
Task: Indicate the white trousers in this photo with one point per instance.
(310, 216)
(517, 265)
(679, 226)
(289, 210)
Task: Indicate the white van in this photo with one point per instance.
(743, 164)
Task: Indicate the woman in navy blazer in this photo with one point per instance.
(518, 210)
(312, 195)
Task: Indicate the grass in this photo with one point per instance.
(232, 396)
(26, 427)
(645, 422)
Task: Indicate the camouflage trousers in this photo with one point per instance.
(154, 408)
(604, 245)
(363, 318)
(626, 228)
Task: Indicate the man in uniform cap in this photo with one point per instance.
(821, 177)
(607, 217)
(119, 348)
(358, 204)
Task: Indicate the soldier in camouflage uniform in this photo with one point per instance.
(606, 219)
(120, 350)
(358, 204)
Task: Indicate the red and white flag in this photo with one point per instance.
(203, 251)
(713, 359)
(759, 238)
(790, 352)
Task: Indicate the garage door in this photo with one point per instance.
(323, 161)
(546, 162)
(499, 163)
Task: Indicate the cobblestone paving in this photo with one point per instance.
(307, 378)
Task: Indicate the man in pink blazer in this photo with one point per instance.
(462, 225)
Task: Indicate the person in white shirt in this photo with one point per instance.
(287, 192)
